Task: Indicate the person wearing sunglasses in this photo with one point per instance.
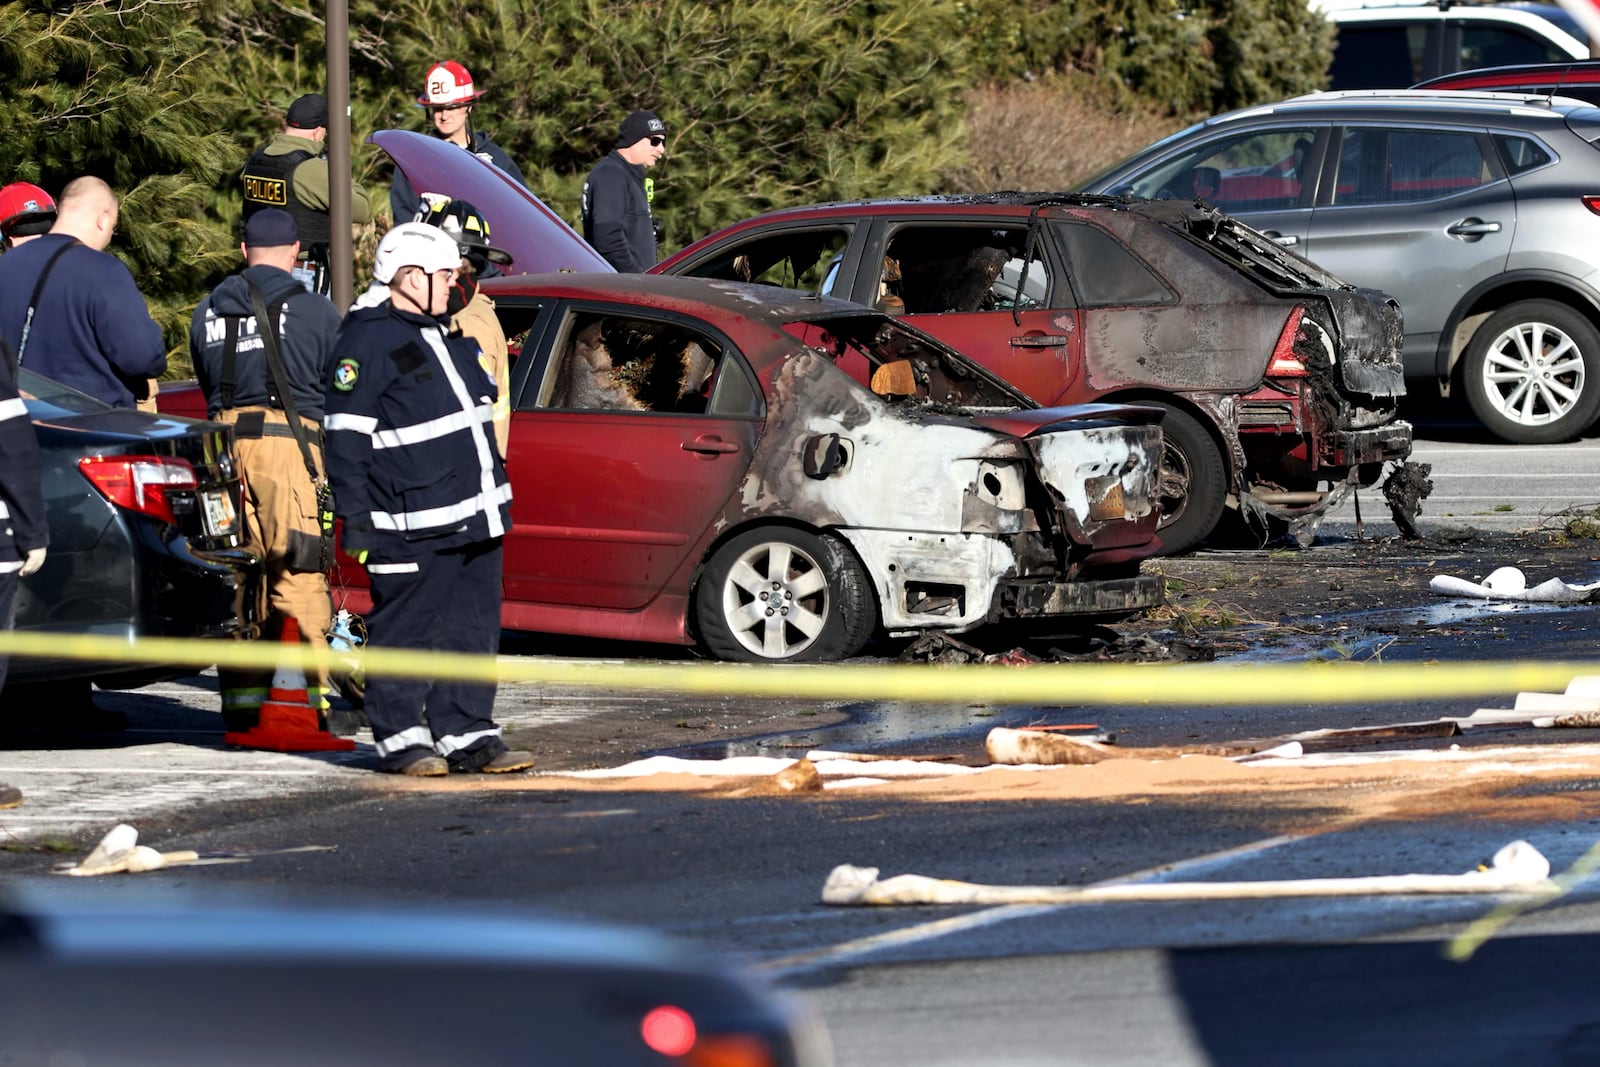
(448, 95)
(617, 196)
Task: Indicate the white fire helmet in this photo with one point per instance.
(414, 244)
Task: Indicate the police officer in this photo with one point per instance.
(425, 503)
(290, 172)
(23, 533)
(264, 391)
(617, 196)
(448, 94)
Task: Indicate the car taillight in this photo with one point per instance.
(1284, 363)
(139, 483)
(671, 1032)
(1592, 203)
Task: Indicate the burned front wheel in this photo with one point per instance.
(1193, 483)
(780, 594)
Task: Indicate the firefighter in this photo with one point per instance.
(472, 312)
(617, 195)
(448, 94)
(234, 356)
(26, 211)
(425, 504)
(290, 172)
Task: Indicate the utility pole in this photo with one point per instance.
(341, 252)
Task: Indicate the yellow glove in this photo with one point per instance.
(361, 557)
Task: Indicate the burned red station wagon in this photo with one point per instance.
(1280, 382)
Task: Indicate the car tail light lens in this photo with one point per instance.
(139, 483)
(671, 1032)
(1284, 363)
(1592, 203)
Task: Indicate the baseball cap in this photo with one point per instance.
(308, 112)
(414, 244)
(270, 228)
(638, 125)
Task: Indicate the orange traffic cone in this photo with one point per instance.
(288, 722)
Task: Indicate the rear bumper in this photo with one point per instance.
(1351, 448)
(1112, 598)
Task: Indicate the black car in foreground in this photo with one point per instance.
(145, 534)
(128, 981)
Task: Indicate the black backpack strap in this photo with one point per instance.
(230, 359)
(38, 290)
(267, 327)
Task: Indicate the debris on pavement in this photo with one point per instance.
(801, 776)
(1031, 747)
(1407, 486)
(1509, 583)
(1108, 645)
(1516, 868)
(119, 852)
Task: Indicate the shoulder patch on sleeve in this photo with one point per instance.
(345, 373)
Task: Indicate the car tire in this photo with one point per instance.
(1193, 484)
(827, 610)
(1513, 390)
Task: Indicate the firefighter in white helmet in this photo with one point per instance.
(425, 502)
(448, 94)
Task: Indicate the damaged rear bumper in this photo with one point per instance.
(1106, 599)
(1351, 448)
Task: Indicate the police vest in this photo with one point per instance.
(268, 182)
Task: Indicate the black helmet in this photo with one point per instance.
(470, 229)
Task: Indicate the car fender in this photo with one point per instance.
(1491, 294)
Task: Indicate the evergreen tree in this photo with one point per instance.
(126, 90)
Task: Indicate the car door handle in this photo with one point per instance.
(711, 445)
(1284, 239)
(1040, 340)
(1472, 228)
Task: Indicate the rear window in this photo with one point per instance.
(1257, 258)
(1521, 153)
(1503, 46)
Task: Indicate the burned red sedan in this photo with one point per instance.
(1280, 382)
(700, 462)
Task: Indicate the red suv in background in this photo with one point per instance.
(1279, 381)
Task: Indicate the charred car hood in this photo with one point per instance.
(537, 238)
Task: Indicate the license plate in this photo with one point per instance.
(221, 519)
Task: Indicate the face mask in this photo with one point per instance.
(462, 291)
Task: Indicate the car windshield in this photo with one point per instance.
(50, 399)
(1095, 182)
(901, 363)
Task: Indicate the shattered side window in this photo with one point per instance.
(902, 364)
(790, 259)
(613, 362)
(935, 270)
(1103, 272)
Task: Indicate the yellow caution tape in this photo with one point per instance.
(1058, 684)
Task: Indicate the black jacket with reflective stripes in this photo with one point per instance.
(410, 438)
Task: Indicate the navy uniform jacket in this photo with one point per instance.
(307, 324)
(22, 524)
(616, 214)
(410, 437)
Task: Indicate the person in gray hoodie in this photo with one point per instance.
(281, 470)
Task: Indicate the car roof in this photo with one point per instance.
(1577, 72)
(1427, 104)
(763, 303)
(1531, 20)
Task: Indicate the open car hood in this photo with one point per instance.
(537, 238)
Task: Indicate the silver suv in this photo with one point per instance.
(1478, 212)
